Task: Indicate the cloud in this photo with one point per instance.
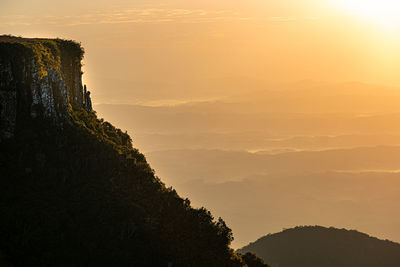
(141, 16)
(282, 19)
(134, 15)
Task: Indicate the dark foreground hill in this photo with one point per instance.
(73, 190)
(315, 246)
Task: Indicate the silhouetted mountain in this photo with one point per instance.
(73, 190)
(316, 246)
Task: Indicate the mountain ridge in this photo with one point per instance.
(74, 191)
(320, 246)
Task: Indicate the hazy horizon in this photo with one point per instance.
(264, 164)
(184, 50)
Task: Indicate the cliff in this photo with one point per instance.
(38, 77)
(73, 189)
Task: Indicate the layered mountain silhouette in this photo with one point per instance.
(316, 246)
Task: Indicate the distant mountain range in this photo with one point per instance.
(190, 163)
(316, 246)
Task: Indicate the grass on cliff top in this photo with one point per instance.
(46, 52)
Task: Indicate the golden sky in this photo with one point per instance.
(141, 51)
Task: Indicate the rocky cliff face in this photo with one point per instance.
(80, 194)
(38, 77)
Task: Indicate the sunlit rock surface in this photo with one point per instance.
(38, 77)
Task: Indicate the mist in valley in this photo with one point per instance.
(304, 153)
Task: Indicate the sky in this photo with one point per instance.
(170, 51)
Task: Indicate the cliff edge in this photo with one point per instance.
(73, 189)
(38, 77)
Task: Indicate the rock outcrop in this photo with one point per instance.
(38, 77)
(73, 189)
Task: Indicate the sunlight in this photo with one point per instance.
(383, 12)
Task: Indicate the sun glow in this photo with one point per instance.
(383, 12)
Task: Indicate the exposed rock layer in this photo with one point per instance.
(38, 77)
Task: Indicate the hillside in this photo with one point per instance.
(73, 189)
(316, 246)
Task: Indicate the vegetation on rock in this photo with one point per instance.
(82, 196)
(74, 191)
